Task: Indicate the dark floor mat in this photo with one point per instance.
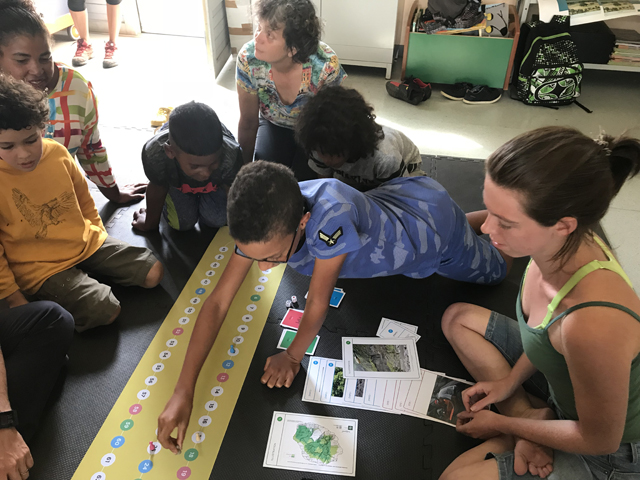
(390, 446)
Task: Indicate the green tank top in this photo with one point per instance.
(552, 364)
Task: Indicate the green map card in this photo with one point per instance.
(310, 443)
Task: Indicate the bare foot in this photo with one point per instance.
(532, 457)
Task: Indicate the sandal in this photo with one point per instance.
(161, 117)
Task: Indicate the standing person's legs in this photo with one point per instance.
(84, 50)
(278, 144)
(212, 208)
(34, 339)
(80, 18)
(113, 20)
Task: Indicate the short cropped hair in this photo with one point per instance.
(195, 129)
(338, 121)
(300, 24)
(264, 202)
(21, 105)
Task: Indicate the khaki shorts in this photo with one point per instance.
(90, 302)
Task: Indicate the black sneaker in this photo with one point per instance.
(457, 91)
(481, 94)
(412, 90)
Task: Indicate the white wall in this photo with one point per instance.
(97, 10)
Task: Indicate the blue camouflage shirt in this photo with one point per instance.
(400, 227)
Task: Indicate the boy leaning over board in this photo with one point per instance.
(328, 230)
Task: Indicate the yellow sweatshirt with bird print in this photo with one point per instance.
(48, 220)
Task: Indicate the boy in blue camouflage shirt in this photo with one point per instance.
(329, 230)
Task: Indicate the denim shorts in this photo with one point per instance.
(504, 333)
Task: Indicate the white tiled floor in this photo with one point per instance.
(159, 70)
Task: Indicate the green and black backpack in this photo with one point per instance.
(550, 72)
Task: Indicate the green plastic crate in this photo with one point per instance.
(456, 58)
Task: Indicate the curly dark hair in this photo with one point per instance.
(21, 105)
(19, 17)
(264, 201)
(300, 24)
(338, 121)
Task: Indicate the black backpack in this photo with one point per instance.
(550, 72)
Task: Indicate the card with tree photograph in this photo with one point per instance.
(380, 358)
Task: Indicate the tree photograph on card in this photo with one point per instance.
(381, 358)
(337, 389)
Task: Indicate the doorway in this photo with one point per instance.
(168, 17)
(190, 18)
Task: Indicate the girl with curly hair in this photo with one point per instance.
(338, 130)
(277, 72)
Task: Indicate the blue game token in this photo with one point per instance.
(331, 364)
(200, 291)
(145, 466)
(117, 442)
(315, 362)
(390, 331)
(227, 364)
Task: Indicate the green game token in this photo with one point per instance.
(126, 425)
(255, 298)
(348, 343)
(279, 419)
(191, 454)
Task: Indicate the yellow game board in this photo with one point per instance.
(122, 450)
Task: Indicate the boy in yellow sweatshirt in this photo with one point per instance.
(50, 230)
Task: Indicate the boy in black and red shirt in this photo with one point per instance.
(191, 163)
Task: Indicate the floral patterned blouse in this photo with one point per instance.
(254, 76)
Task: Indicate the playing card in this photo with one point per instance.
(292, 318)
(336, 298)
(287, 337)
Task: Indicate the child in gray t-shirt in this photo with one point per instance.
(338, 130)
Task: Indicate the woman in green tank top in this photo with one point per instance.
(566, 376)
